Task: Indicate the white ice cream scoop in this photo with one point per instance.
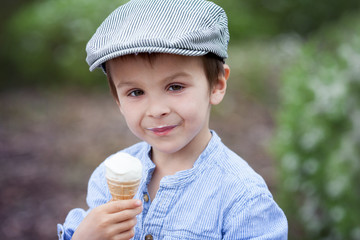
(123, 174)
(123, 167)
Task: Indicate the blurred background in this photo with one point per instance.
(292, 110)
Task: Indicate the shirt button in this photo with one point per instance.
(146, 197)
(149, 237)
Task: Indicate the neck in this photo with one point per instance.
(170, 163)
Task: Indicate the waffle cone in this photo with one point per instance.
(122, 190)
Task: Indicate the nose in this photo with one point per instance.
(157, 107)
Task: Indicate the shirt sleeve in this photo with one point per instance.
(260, 218)
(97, 195)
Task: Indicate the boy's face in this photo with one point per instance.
(166, 102)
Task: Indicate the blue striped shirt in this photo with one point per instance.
(221, 197)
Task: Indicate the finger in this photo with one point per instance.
(125, 235)
(126, 214)
(123, 227)
(118, 206)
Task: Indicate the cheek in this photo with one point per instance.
(129, 116)
(134, 125)
(194, 108)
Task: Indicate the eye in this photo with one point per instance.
(175, 87)
(136, 93)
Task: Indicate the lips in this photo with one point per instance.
(163, 130)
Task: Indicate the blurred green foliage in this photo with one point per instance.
(257, 66)
(43, 41)
(251, 19)
(318, 135)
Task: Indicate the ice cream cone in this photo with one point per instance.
(122, 190)
(123, 175)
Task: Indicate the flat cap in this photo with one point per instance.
(183, 27)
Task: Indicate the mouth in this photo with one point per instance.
(162, 130)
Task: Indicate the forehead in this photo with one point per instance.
(155, 61)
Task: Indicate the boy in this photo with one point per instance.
(164, 63)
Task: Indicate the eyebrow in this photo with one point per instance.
(166, 79)
(122, 84)
(176, 75)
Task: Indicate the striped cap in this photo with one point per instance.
(183, 27)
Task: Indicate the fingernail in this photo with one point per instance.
(138, 202)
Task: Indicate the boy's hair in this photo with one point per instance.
(213, 67)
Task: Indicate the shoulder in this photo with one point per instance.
(237, 168)
(235, 174)
(245, 197)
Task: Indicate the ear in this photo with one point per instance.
(218, 91)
